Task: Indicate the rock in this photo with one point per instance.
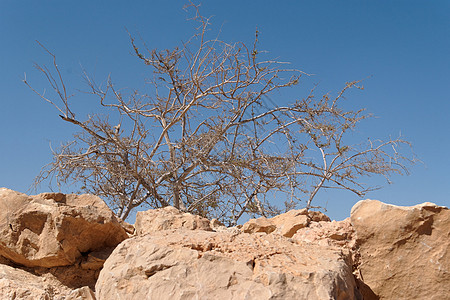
(57, 197)
(72, 277)
(286, 224)
(95, 259)
(129, 229)
(335, 233)
(83, 293)
(19, 284)
(216, 225)
(317, 216)
(289, 223)
(168, 218)
(54, 229)
(185, 264)
(259, 225)
(404, 250)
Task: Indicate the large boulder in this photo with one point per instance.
(54, 229)
(186, 264)
(168, 218)
(404, 250)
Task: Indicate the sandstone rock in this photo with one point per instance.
(404, 250)
(289, 223)
(95, 259)
(83, 293)
(338, 233)
(286, 224)
(72, 277)
(168, 218)
(317, 216)
(19, 284)
(216, 225)
(54, 229)
(129, 229)
(259, 225)
(184, 264)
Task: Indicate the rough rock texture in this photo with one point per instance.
(54, 229)
(71, 277)
(326, 233)
(83, 293)
(19, 284)
(259, 225)
(53, 246)
(128, 228)
(404, 250)
(183, 264)
(168, 218)
(285, 224)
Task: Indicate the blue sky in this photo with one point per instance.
(400, 48)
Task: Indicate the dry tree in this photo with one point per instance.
(207, 142)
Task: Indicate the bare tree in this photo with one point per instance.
(207, 141)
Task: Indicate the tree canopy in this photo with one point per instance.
(207, 140)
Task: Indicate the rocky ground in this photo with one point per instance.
(57, 246)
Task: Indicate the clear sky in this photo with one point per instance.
(401, 49)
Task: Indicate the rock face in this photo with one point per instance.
(405, 251)
(168, 218)
(54, 246)
(181, 264)
(52, 229)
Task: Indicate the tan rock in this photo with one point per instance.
(185, 264)
(317, 216)
(216, 225)
(404, 250)
(129, 229)
(168, 218)
(83, 293)
(286, 224)
(54, 229)
(19, 284)
(73, 277)
(338, 233)
(259, 225)
(95, 259)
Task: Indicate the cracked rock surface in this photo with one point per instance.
(176, 264)
(53, 229)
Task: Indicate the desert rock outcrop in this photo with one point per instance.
(405, 251)
(183, 264)
(54, 229)
(54, 246)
